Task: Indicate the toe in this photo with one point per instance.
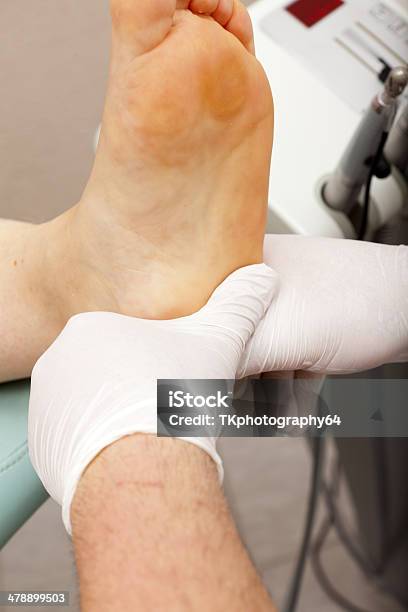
(231, 14)
(204, 7)
(141, 25)
(223, 12)
(240, 25)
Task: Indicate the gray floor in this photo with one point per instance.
(54, 61)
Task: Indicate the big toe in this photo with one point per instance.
(141, 25)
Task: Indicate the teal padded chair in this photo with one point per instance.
(21, 492)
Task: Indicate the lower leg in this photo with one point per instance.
(29, 315)
(152, 531)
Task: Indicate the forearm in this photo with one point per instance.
(149, 520)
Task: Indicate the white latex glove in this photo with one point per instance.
(342, 307)
(97, 382)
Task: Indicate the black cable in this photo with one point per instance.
(367, 195)
(315, 483)
(295, 587)
(332, 519)
(321, 575)
(329, 492)
(343, 535)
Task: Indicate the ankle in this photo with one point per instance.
(98, 261)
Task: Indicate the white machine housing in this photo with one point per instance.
(313, 126)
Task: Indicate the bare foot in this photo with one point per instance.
(177, 198)
(178, 195)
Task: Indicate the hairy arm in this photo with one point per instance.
(152, 531)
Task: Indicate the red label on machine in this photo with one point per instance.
(310, 12)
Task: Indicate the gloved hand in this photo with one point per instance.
(97, 382)
(342, 307)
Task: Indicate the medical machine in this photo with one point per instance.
(396, 150)
(338, 73)
(343, 187)
(364, 157)
(326, 62)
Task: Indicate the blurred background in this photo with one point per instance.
(53, 72)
